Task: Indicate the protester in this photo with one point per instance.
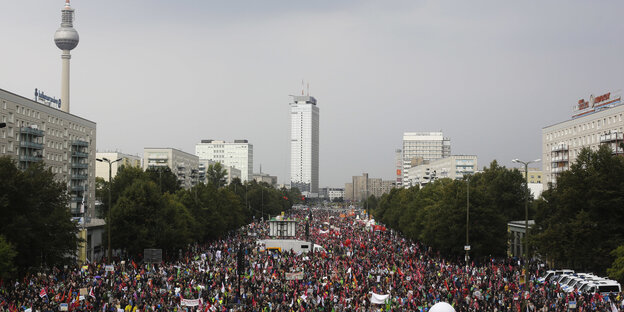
(364, 268)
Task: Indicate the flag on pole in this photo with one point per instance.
(91, 293)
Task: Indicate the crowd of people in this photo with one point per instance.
(362, 268)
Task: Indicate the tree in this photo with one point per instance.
(101, 194)
(616, 271)
(166, 180)
(35, 216)
(7, 254)
(580, 220)
(215, 174)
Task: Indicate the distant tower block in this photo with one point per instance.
(66, 38)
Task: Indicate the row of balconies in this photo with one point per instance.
(611, 137)
(31, 158)
(79, 166)
(33, 145)
(559, 169)
(562, 158)
(559, 147)
(80, 143)
(80, 154)
(79, 176)
(32, 131)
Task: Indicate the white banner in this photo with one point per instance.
(190, 302)
(378, 299)
(294, 276)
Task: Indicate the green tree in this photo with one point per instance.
(35, 216)
(166, 180)
(7, 254)
(215, 174)
(135, 218)
(616, 271)
(580, 220)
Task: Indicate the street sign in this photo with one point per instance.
(467, 247)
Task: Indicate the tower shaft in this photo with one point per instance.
(65, 81)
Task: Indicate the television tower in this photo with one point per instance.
(66, 38)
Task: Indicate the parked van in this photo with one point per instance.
(602, 286)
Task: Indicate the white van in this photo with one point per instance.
(603, 287)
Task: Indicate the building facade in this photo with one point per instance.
(304, 144)
(184, 165)
(453, 167)
(65, 143)
(594, 122)
(419, 147)
(266, 178)
(237, 154)
(101, 168)
(333, 193)
(398, 166)
(363, 187)
(348, 192)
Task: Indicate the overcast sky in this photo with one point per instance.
(489, 74)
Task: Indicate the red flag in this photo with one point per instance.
(134, 264)
(42, 293)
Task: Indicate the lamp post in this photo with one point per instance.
(526, 217)
(110, 203)
(467, 247)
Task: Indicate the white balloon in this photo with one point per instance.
(442, 307)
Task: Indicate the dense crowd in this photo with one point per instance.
(361, 269)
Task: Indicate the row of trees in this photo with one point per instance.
(436, 214)
(150, 210)
(579, 221)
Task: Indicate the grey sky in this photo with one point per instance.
(489, 74)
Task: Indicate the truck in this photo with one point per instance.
(283, 245)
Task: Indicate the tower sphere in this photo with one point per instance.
(66, 38)
(442, 307)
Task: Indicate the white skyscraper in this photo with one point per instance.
(304, 144)
(237, 154)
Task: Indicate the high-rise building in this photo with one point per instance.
(419, 147)
(594, 122)
(304, 144)
(66, 38)
(184, 165)
(237, 154)
(37, 132)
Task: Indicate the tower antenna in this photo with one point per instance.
(308, 88)
(301, 86)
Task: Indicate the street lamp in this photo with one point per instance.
(110, 202)
(526, 217)
(467, 247)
